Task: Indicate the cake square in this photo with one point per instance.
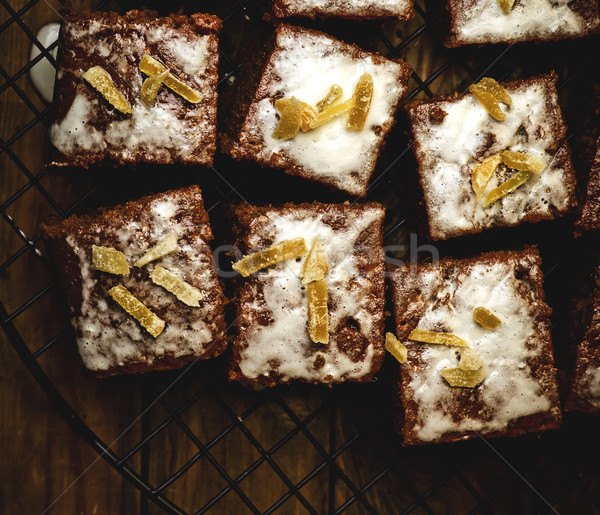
(87, 128)
(272, 345)
(584, 392)
(109, 339)
(500, 21)
(351, 9)
(305, 64)
(453, 135)
(589, 219)
(519, 393)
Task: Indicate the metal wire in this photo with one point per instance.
(358, 419)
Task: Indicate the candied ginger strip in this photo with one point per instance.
(101, 81)
(489, 102)
(470, 360)
(395, 348)
(331, 112)
(308, 112)
(185, 292)
(151, 86)
(485, 318)
(168, 245)
(282, 251)
(363, 95)
(497, 90)
(290, 121)
(506, 5)
(463, 378)
(482, 172)
(522, 161)
(507, 187)
(318, 315)
(424, 336)
(152, 67)
(333, 96)
(107, 259)
(148, 320)
(315, 265)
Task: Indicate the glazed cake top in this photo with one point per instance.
(349, 8)
(107, 336)
(273, 311)
(448, 296)
(305, 64)
(87, 128)
(482, 21)
(448, 150)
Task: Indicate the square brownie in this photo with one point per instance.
(452, 135)
(272, 345)
(520, 392)
(111, 341)
(589, 219)
(87, 128)
(305, 64)
(350, 9)
(484, 21)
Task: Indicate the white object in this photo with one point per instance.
(42, 73)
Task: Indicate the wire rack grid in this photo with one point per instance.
(318, 450)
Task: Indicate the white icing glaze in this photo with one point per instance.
(484, 22)
(508, 391)
(190, 56)
(286, 338)
(107, 337)
(347, 7)
(306, 66)
(445, 148)
(43, 73)
(592, 379)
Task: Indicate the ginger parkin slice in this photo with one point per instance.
(363, 95)
(333, 96)
(424, 336)
(489, 94)
(290, 120)
(485, 318)
(185, 292)
(165, 246)
(151, 86)
(107, 259)
(506, 5)
(315, 265)
(506, 187)
(482, 172)
(395, 348)
(282, 251)
(469, 360)
(152, 67)
(148, 320)
(463, 378)
(522, 161)
(332, 112)
(101, 81)
(307, 114)
(318, 314)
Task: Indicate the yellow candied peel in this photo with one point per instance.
(522, 161)
(107, 259)
(489, 94)
(185, 292)
(282, 251)
(101, 81)
(307, 114)
(331, 112)
(482, 172)
(290, 120)
(485, 318)
(318, 314)
(395, 348)
(506, 5)
(152, 67)
(463, 378)
(333, 96)
(148, 320)
(363, 95)
(470, 360)
(424, 336)
(315, 265)
(151, 86)
(167, 245)
(506, 187)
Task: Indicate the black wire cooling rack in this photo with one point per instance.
(319, 450)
